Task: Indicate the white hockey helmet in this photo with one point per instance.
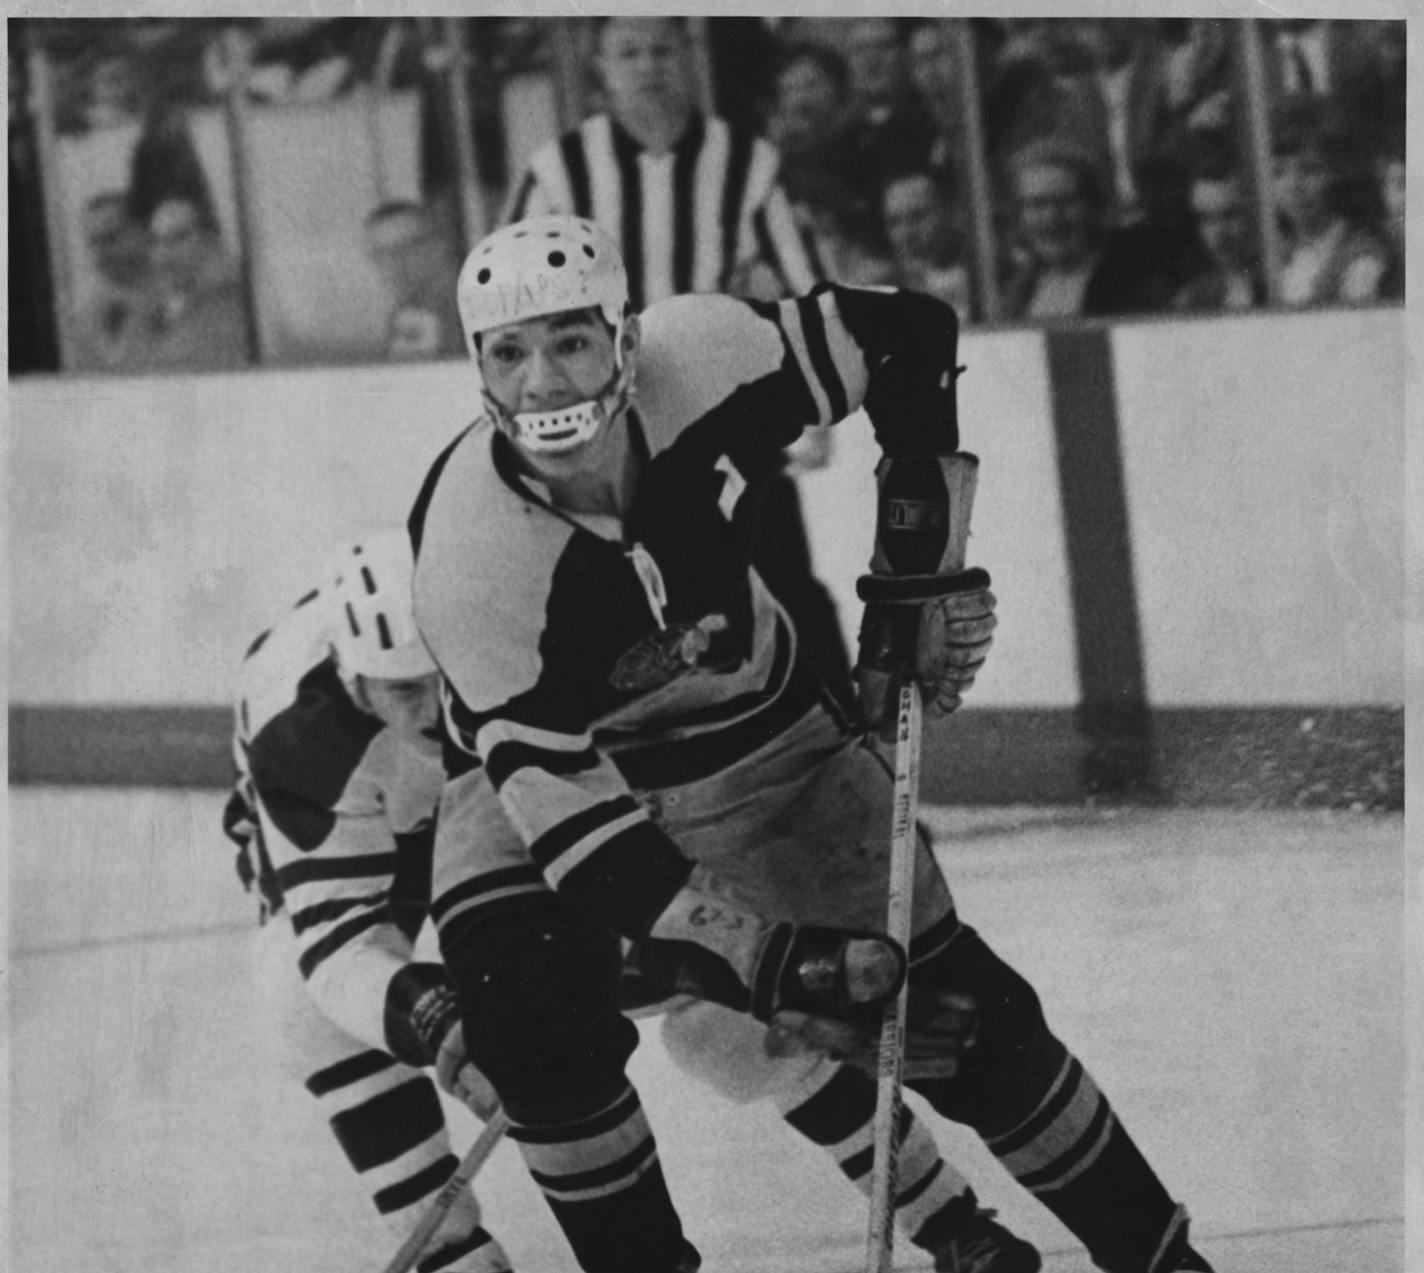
(534, 268)
(374, 626)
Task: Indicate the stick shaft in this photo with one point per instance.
(880, 1237)
(475, 1158)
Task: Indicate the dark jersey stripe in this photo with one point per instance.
(319, 951)
(739, 160)
(519, 208)
(419, 1186)
(506, 759)
(485, 884)
(390, 1124)
(813, 323)
(630, 182)
(684, 193)
(575, 156)
(309, 870)
(351, 1070)
(670, 764)
(561, 838)
(310, 917)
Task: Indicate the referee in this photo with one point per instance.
(693, 201)
(696, 206)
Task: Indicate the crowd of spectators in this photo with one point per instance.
(1107, 157)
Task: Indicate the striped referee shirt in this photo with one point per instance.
(688, 219)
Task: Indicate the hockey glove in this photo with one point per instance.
(936, 629)
(941, 1028)
(706, 944)
(926, 617)
(423, 1028)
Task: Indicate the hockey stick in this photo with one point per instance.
(880, 1238)
(961, 476)
(475, 1158)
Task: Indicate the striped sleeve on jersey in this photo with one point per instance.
(831, 364)
(591, 839)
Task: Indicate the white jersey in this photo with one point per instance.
(335, 817)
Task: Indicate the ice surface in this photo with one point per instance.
(1233, 980)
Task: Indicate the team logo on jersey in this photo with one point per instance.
(665, 654)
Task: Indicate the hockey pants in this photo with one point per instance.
(801, 829)
(386, 1116)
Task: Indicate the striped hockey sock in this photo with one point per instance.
(600, 1173)
(388, 1120)
(835, 1108)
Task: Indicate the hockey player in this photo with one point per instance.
(338, 750)
(625, 686)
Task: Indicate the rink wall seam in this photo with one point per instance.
(1246, 757)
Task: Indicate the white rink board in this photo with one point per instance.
(1234, 980)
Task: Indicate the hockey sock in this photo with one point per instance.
(388, 1120)
(1040, 1113)
(835, 1109)
(599, 1172)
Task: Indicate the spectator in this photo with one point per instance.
(890, 130)
(1098, 85)
(165, 167)
(416, 261)
(1351, 70)
(194, 318)
(927, 240)
(1234, 282)
(1331, 256)
(694, 203)
(934, 71)
(808, 124)
(118, 255)
(1062, 211)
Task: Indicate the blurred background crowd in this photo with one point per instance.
(201, 194)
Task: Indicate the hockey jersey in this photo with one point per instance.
(589, 660)
(334, 818)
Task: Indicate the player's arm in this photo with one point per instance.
(894, 354)
(597, 847)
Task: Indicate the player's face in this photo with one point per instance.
(543, 364)
(409, 707)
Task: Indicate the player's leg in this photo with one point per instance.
(386, 1116)
(538, 991)
(1036, 1106)
(833, 1106)
(804, 831)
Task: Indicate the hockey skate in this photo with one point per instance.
(979, 1245)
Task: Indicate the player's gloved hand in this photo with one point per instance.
(707, 944)
(936, 629)
(423, 1028)
(927, 619)
(940, 1029)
